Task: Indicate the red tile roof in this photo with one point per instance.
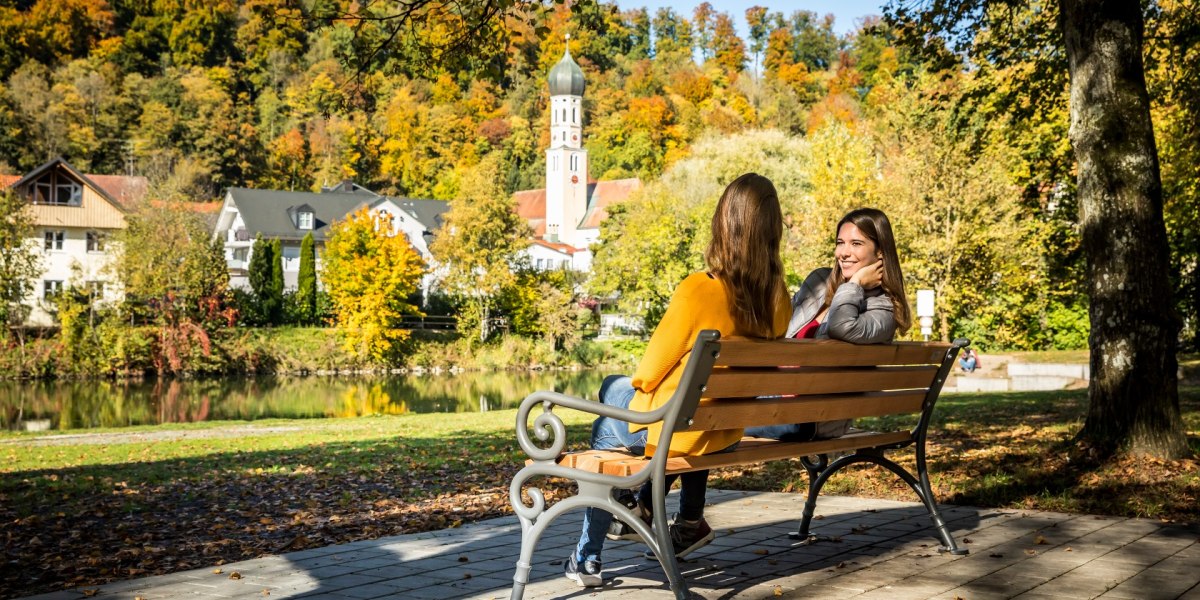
(604, 193)
(124, 189)
(531, 204)
(557, 246)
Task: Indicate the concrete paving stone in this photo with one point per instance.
(1078, 585)
(1077, 553)
(364, 592)
(391, 571)
(1192, 594)
(328, 571)
(967, 593)
(903, 591)
(1151, 586)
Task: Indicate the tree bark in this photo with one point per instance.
(1134, 397)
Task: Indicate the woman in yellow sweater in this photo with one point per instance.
(742, 293)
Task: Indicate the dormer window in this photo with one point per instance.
(57, 190)
(303, 217)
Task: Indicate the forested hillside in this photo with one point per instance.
(969, 155)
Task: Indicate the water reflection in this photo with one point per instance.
(63, 405)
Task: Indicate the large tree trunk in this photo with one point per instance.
(1134, 398)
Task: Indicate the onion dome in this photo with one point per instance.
(566, 78)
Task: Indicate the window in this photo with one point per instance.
(95, 241)
(241, 254)
(54, 240)
(306, 220)
(57, 190)
(95, 289)
(574, 163)
(540, 263)
(573, 117)
(51, 288)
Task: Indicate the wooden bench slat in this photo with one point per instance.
(746, 352)
(740, 383)
(748, 412)
(754, 450)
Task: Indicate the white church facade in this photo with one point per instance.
(565, 215)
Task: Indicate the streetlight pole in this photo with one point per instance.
(925, 312)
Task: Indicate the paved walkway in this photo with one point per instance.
(878, 549)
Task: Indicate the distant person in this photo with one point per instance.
(742, 294)
(969, 361)
(860, 300)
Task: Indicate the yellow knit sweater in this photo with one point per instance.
(699, 303)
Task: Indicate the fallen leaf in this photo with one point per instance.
(463, 558)
(1039, 540)
(91, 592)
(216, 571)
(778, 591)
(762, 552)
(235, 575)
(1031, 552)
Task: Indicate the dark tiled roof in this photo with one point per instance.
(269, 211)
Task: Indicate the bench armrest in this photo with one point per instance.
(547, 425)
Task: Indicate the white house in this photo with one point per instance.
(566, 214)
(75, 216)
(289, 216)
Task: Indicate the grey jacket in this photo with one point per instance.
(855, 315)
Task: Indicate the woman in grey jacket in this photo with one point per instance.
(861, 300)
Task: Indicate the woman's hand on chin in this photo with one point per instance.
(869, 276)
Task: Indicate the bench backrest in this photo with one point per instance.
(743, 382)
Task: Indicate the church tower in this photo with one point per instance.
(566, 160)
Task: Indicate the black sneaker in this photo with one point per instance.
(689, 536)
(620, 531)
(587, 575)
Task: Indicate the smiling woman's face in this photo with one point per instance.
(854, 250)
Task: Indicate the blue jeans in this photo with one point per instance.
(608, 433)
(617, 390)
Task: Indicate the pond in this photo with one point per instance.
(73, 405)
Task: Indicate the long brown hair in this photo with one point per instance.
(876, 226)
(743, 254)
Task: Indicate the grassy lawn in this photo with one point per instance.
(80, 510)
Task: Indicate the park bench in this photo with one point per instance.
(736, 383)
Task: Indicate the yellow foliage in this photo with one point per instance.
(370, 271)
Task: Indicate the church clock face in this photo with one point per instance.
(574, 179)
(574, 137)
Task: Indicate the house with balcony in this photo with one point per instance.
(75, 216)
(289, 216)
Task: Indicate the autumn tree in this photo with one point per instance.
(174, 277)
(652, 241)
(370, 271)
(480, 243)
(1133, 392)
(19, 263)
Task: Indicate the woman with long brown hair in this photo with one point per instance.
(861, 299)
(742, 293)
